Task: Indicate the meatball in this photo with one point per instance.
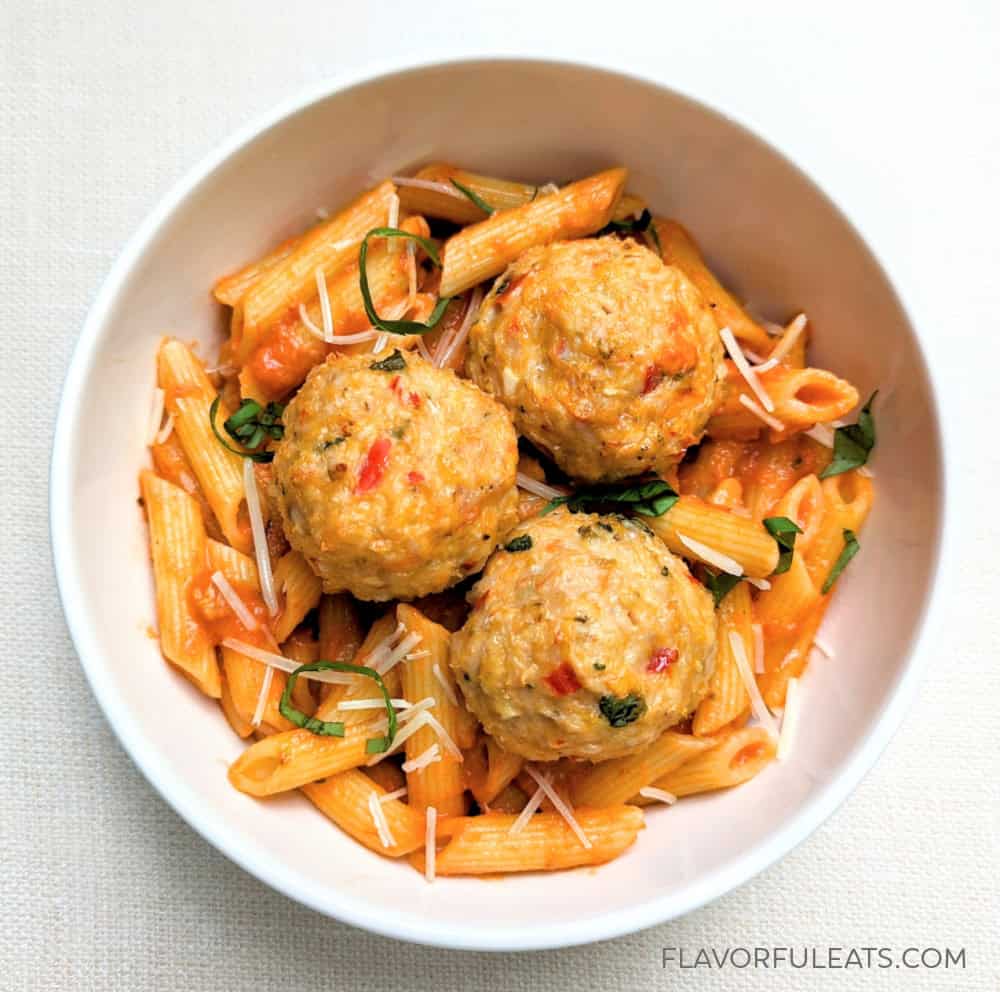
(607, 358)
(395, 479)
(587, 639)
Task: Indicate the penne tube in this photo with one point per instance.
(802, 398)
(285, 354)
(489, 769)
(244, 679)
(189, 397)
(736, 758)
(484, 250)
(449, 203)
(847, 501)
(727, 700)
(177, 542)
(242, 727)
(234, 565)
(231, 289)
(299, 588)
(440, 784)
(792, 595)
(346, 799)
(483, 845)
(787, 654)
(295, 758)
(743, 540)
(292, 281)
(171, 464)
(610, 783)
(803, 504)
(679, 248)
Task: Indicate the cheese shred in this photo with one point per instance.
(260, 549)
(430, 843)
(745, 368)
(757, 704)
(710, 556)
(562, 807)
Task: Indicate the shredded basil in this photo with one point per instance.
(649, 499)
(520, 543)
(474, 197)
(853, 444)
(252, 425)
(394, 363)
(719, 584)
(620, 711)
(398, 326)
(783, 531)
(851, 548)
(375, 745)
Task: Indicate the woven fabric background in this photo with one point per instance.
(892, 108)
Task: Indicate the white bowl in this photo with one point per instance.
(770, 234)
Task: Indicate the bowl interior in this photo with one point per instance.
(768, 232)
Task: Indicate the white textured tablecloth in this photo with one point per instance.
(102, 106)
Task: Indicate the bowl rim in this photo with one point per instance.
(340, 904)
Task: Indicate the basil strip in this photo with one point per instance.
(851, 548)
(643, 224)
(853, 444)
(649, 499)
(520, 543)
(784, 532)
(398, 326)
(394, 363)
(256, 434)
(620, 711)
(474, 197)
(720, 584)
(375, 745)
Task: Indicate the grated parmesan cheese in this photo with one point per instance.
(261, 552)
(537, 488)
(710, 556)
(761, 584)
(788, 340)
(398, 653)
(447, 346)
(231, 596)
(745, 368)
(430, 843)
(528, 812)
(422, 760)
(822, 434)
(155, 415)
(385, 836)
(660, 795)
(445, 684)
(758, 411)
(168, 428)
(324, 305)
(265, 691)
(563, 808)
(822, 647)
(395, 794)
(790, 719)
(443, 736)
(428, 185)
(757, 704)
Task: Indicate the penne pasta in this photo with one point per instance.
(484, 845)
(299, 589)
(677, 247)
(489, 769)
(611, 783)
(231, 289)
(171, 464)
(737, 537)
(727, 700)
(285, 354)
(802, 398)
(345, 798)
(189, 397)
(485, 249)
(177, 542)
(736, 758)
(291, 281)
(435, 195)
(440, 784)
